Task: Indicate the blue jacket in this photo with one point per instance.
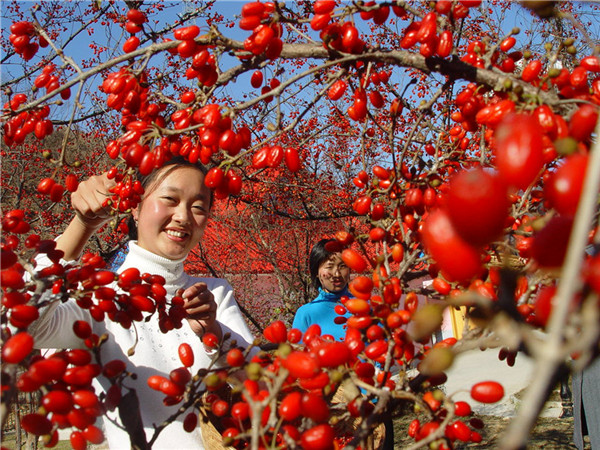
(321, 311)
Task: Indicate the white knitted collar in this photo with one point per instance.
(148, 262)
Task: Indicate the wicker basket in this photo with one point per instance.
(211, 437)
(211, 434)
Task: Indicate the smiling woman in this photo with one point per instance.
(169, 222)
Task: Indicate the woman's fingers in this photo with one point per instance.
(89, 199)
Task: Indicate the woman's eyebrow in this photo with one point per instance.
(176, 190)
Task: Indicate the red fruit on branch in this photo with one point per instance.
(320, 21)
(507, 43)
(549, 245)
(323, 6)
(583, 122)
(71, 182)
(77, 440)
(235, 357)
(591, 63)
(113, 368)
(362, 205)
(319, 437)
(314, 406)
(301, 365)
(354, 260)
(426, 430)
(257, 79)
(547, 120)
(37, 424)
(186, 33)
(45, 186)
(22, 28)
(131, 44)
(363, 285)
(253, 9)
(531, 71)
(47, 370)
(462, 409)
(85, 398)
(17, 347)
(210, 340)
(276, 332)
(186, 354)
(413, 428)
(445, 44)
(240, 411)
(333, 354)
(518, 150)
(93, 435)
(275, 156)
(477, 205)
(290, 407)
(83, 329)
(259, 159)
(456, 258)
(441, 286)
(292, 159)
(136, 16)
(58, 401)
(461, 431)
(337, 90)
(564, 186)
(376, 349)
(428, 28)
(214, 178)
(487, 392)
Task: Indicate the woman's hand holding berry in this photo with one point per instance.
(201, 309)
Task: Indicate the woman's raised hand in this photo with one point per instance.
(89, 198)
(90, 214)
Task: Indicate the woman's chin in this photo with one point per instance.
(337, 289)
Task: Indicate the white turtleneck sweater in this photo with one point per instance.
(155, 352)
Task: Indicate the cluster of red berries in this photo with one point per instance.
(22, 37)
(68, 399)
(19, 126)
(50, 82)
(66, 377)
(135, 21)
(49, 186)
(314, 365)
(260, 18)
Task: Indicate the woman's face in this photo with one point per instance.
(334, 274)
(172, 216)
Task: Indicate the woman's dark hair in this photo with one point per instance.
(318, 255)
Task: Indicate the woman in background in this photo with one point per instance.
(330, 276)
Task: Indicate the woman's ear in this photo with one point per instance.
(135, 213)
